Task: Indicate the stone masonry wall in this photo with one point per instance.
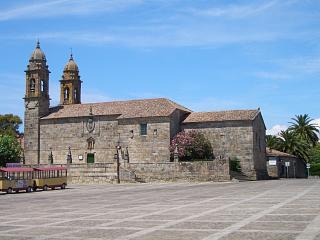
(217, 170)
(153, 147)
(230, 139)
(59, 134)
(101, 173)
(259, 147)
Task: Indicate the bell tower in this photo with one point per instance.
(70, 84)
(36, 103)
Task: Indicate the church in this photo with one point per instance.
(87, 133)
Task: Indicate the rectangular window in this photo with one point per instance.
(143, 129)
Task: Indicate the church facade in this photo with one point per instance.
(142, 129)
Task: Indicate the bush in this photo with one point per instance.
(235, 165)
(314, 154)
(191, 146)
(10, 150)
(315, 169)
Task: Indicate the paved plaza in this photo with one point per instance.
(262, 210)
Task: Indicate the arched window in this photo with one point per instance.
(75, 94)
(66, 93)
(90, 143)
(32, 85)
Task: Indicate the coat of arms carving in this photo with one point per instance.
(90, 125)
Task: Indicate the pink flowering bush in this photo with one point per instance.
(191, 145)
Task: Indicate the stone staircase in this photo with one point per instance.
(92, 173)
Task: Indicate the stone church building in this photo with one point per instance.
(91, 132)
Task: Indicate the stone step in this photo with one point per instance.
(94, 175)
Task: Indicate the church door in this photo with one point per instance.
(90, 158)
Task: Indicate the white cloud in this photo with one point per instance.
(177, 28)
(276, 129)
(93, 96)
(317, 122)
(272, 75)
(64, 7)
(173, 36)
(235, 11)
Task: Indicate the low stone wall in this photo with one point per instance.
(217, 170)
(99, 173)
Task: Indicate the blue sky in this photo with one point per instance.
(204, 54)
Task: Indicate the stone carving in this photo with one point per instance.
(90, 125)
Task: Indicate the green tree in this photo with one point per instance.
(314, 154)
(273, 142)
(9, 124)
(305, 130)
(291, 143)
(10, 150)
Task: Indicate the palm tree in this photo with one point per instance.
(306, 130)
(291, 143)
(273, 142)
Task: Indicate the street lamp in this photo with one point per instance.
(50, 157)
(69, 156)
(117, 157)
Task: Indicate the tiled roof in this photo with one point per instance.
(276, 153)
(157, 107)
(232, 115)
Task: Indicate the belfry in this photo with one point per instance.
(70, 84)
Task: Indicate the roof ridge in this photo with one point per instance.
(233, 110)
(178, 106)
(117, 101)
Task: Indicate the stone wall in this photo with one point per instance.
(153, 147)
(175, 122)
(259, 147)
(217, 170)
(59, 134)
(101, 173)
(234, 139)
(229, 140)
(34, 108)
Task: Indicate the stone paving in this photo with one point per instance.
(262, 210)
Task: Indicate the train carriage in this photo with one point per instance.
(49, 177)
(16, 179)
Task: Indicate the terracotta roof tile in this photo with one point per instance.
(231, 115)
(276, 153)
(157, 107)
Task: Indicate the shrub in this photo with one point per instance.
(315, 169)
(235, 165)
(10, 150)
(191, 146)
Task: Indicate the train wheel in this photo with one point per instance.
(9, 190)
(45, 188)
(28, 189)
(63, 186)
